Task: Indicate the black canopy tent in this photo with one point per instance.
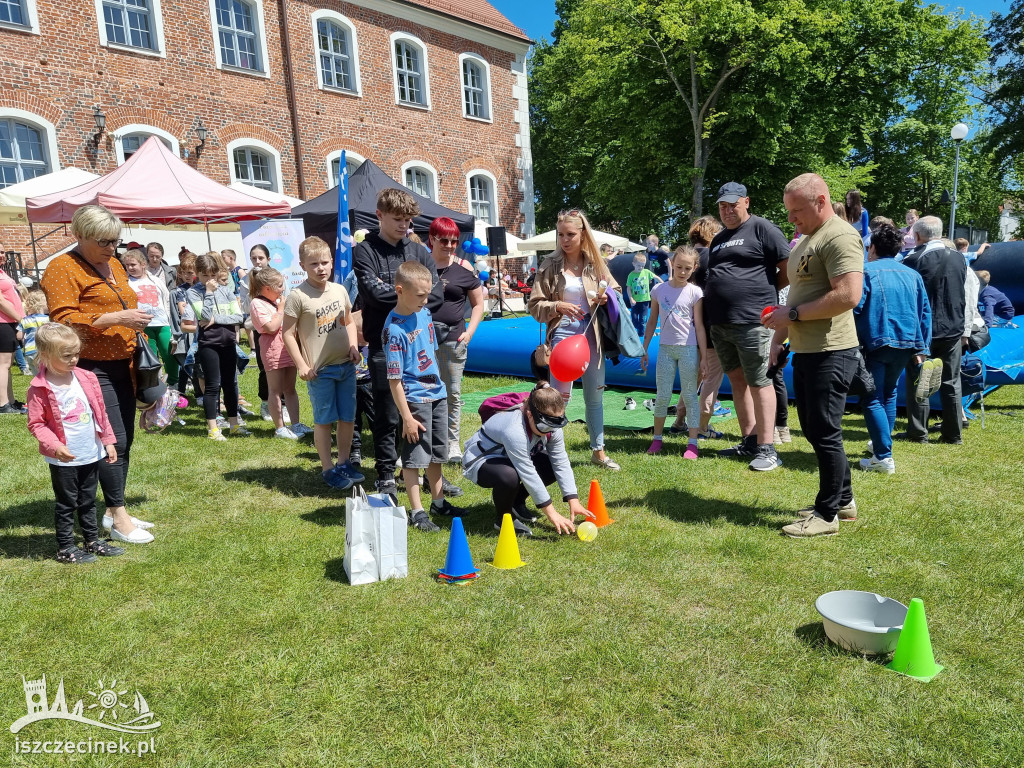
(320, 215)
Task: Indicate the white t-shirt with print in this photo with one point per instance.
(79, 422)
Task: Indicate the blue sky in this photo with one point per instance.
(537, 17)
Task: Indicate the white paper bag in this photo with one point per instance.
(376, 545)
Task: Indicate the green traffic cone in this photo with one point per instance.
(913, 656)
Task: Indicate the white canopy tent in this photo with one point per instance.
(546, 241)
(12, 198)
(264, 194)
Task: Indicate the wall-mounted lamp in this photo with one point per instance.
(101, 126)
(201, 135)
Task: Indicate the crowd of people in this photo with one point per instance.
(847, 299)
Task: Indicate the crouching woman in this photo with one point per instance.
(520, 452)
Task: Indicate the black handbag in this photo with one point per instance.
(146, 363)
(979, 338)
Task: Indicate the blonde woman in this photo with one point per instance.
(561, 297)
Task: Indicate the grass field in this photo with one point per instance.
(684, 635)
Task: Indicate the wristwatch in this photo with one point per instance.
(794, 315)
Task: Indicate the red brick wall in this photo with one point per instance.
(64, 72)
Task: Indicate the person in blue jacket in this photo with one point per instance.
(857, 214)
(894, 324)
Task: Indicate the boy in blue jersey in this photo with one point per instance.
(420, 395)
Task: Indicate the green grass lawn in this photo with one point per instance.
(684, 635)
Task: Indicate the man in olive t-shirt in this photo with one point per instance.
(826, 278)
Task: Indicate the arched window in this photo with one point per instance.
(421, 179)
(129, 138)
(476, 86)
(337, 52)
(255, 162)
(412, 81)
(238, 25)
(352, 161)
(482, 199)
(24, 151)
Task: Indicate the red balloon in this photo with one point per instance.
(767, 311)
(570, 358)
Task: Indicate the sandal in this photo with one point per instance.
(103, 548)
(75, 556)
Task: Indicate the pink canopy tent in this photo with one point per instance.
(155, 186)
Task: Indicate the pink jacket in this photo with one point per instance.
(44, 413)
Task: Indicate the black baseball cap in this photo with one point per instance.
(731, 192)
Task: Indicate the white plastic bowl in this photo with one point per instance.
(862, 622)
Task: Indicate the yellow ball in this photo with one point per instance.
(586, 531)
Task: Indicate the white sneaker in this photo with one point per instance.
(265, 411)
(138, 536)
(871, 447)
(108, 523)
(285, 433)
(223, 423)
(888, 466)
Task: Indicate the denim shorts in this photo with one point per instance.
(744, 346)
(333, 393)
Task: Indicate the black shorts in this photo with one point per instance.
(8, 337)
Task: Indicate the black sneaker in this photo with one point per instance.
(450, 489)
(103, 548)
(743, 450)
(387, 486)
(521, 513)
(683, 430)
(421, 520)
(445, 509)
(75, 556)
(355, 458)
(11, 410)
(521, 528)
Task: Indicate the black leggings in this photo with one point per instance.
(220, 372)
(781, 399)
(262, 387)
(115, 379)
(507, 490)
(74, 489)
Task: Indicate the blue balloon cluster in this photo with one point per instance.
(475, 246)
(485, 276)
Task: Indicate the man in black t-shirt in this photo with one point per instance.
(746, 269)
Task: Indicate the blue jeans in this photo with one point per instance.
(639, 313)
(593, 380)
(885, 365)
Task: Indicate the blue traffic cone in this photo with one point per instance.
(459, 561)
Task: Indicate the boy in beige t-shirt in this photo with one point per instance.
(321, 338)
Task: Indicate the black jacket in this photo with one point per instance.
(944, 272)
(375, 262)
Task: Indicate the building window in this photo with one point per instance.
(13, 12)
(254, 167)
(129, 22)
(412, 80)
(476, 90)
(131, 142)
(335, 56)
(22, 152)
(481, 197)
(238, 35)
(352, 162)
(421, 180)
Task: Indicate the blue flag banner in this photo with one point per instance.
(344, 242)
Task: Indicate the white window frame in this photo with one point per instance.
(353, 39)
(156, 14)
(32, 16)
(45, 127)
(332, 180)
(262, 146)
(493, 221)
(261, 25)
(431, 172)
(395, 38)
(127, 130)
(481, 62)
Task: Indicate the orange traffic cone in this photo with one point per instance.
(596, 507)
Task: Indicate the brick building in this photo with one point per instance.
(433, 91)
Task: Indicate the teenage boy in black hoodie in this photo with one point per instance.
(375, 262)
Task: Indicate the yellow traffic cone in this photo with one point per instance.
(506, 556)
(913, 656)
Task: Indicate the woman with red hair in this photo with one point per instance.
(453, 334)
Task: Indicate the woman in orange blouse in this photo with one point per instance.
(85, 290)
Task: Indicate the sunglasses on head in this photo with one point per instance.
(545, 423)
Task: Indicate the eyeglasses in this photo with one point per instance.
(545, 423)
(447, 240)
(108, 243)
